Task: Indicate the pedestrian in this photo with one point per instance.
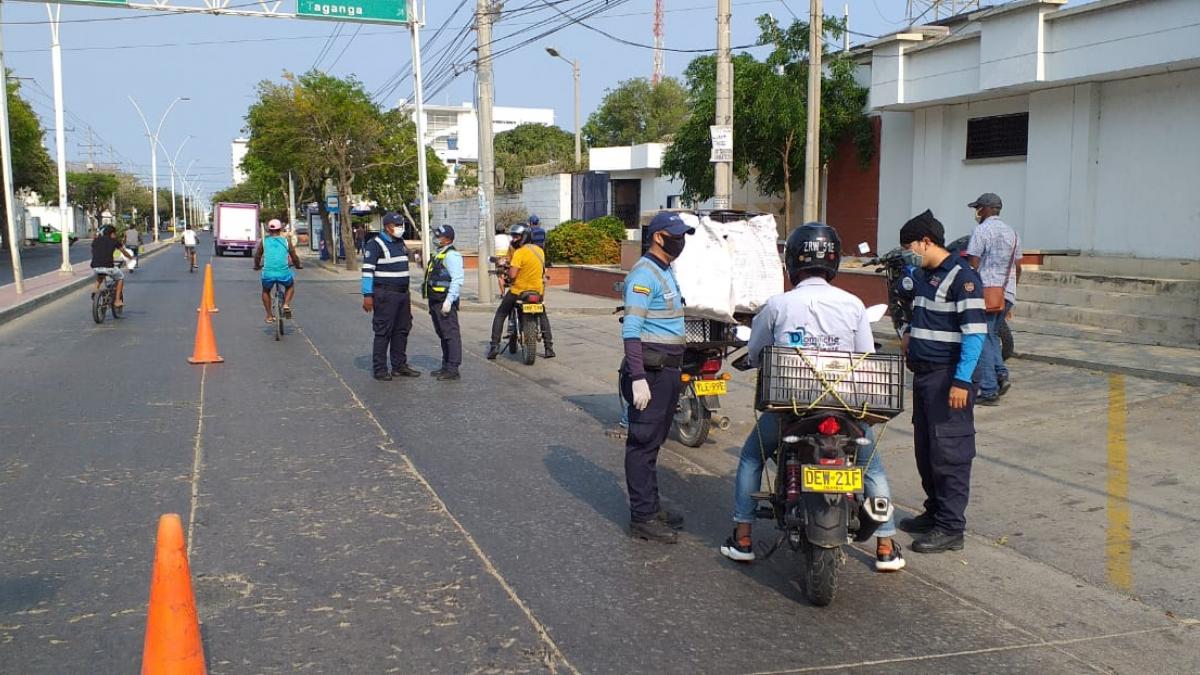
(442, 288)
(385, 294)
(995, 252)
(654, 341)
(133, 240)
(943, 344)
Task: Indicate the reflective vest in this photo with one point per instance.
(437, 277)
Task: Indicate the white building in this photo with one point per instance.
(453, 131)
(1085, 120)
(240, 146)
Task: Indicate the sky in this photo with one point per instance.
(110, 55)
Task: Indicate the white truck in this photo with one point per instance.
(235, 228)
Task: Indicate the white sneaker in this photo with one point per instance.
(734, 551)
(892, 561)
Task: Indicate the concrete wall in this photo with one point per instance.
(547, 196)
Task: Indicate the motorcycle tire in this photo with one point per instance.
(99, 309)
(513, 334)
(1006, 339)
(529, 339)
(821, 573)
(692, 420)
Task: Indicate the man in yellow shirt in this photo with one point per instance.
(526, 272)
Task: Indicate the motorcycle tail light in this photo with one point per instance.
(685, 378)
(829, 426)
(710, 366)
(830, 461)
(726, 376)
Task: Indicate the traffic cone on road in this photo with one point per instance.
(172, 627)
(205, 350)
(207, 301)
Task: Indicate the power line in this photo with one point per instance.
(343, 52)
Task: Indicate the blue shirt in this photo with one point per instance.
(653, 312)
(385, 262)
(949, 323)
(276, 259)
(454, 265)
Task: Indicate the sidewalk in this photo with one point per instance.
(46, 288)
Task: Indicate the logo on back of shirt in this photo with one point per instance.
(800, 338)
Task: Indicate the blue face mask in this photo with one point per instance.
(912, 258)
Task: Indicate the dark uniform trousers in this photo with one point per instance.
(945, 445)
(449, 334)
(648, 430)
(391, 321)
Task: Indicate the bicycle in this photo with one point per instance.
(105, 299)
(279, 292)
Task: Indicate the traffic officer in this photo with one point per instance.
(443, 284)
(943, 344)
(654, 341)
(385, 292)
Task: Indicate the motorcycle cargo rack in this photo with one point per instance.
(869, 386)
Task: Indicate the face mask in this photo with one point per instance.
(912, 258)
(673, 246)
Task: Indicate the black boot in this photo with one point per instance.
(493, 351)
(549, 352)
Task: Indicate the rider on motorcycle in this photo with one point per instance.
(525, 272)
(813, 315)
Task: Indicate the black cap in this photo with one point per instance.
(921, 226)
(669, 222)
(393, 218)
(988, 199)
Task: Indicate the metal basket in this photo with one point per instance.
(707, 330)
(865, 384)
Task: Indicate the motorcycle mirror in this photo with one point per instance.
(864, 248)
(742, 333)
(876, 312)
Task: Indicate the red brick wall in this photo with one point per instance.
(592, 281)
(852, 203)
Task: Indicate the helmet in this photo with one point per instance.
(533, 220)
(274, 225)
(444, 231)
(815, 247)
(519, 234)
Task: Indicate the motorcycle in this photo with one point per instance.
(703, 382)
(524, 322)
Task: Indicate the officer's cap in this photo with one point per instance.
(669, 222)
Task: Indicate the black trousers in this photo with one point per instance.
(648, 430)
(506, 307)
(449, 334)
(945, 445)
(391, 322)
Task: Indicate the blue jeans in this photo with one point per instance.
(750, 470)
(991, 361)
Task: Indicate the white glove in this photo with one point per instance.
(641, 394)
(447, 305)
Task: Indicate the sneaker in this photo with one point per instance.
(653, 531)
(937, 541)
(549, 353)
(739, 550)
(405, 371)
(383, 377)
(493, 351)
(447, 375)
(917, 524)
(437, 372)
(988, 399)
(889, 559)
(672, 519)
(1005, 385)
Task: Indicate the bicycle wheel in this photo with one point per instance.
(278, 312)
(99, 308)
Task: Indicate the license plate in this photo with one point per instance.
(709, 387)
(533, 309)
(821, 479)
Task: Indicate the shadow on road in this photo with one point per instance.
(589, 483)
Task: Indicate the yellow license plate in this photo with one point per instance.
(709, 387)
(533, 309)
(821, 479)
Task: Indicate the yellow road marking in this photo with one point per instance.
(1118, 548)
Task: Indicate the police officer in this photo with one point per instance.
(443, 283)
(654, 341)
(385, 292)
(943, 344)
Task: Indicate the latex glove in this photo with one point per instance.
(447, 305)
(641, 394)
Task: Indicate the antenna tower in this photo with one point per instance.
(658, 42)
(925, 11)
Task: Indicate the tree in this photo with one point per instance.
(395, 180)
(31, 165)
(91, 190)
(638, 112)
(770, 120)
(529, 145)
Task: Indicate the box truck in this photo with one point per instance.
(235, 229)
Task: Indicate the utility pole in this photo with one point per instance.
(422, 169)
(14, 241)
(487, 162)
(291, 201)
(812, 153)
(60, 135)
(723, 170)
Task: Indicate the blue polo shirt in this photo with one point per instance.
(653, 312)
(949, 324)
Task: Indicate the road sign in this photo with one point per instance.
(106, 3)
(366, 11)
(331, 204)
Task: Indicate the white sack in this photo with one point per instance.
(757, 272)
(705, 271)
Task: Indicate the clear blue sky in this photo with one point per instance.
(109, 54)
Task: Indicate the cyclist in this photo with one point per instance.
(102, 261)
(273, 255)
(189, 245)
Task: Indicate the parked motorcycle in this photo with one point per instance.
(708, 343)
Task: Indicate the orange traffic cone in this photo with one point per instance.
(172, 627)
(205, 350)
(207, 300)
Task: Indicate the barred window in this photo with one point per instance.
(998, 136)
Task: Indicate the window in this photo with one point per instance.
(998, 136)
(452, 142)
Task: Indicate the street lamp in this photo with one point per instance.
(575, 70)
(171, 160)
(154, 153)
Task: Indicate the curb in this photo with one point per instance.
(26, 306)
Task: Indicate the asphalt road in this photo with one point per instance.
(338, 524)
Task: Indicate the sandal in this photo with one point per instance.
(287, 312)
(270, 320)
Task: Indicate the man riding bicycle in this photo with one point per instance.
(102, 261)
(273, 255)
(526, 271)
(189, 245)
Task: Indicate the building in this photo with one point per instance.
(240, 146)
(1083, 119)
(453, 131)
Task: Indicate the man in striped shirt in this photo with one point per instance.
(943, 344)
(385, 294)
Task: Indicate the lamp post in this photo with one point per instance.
(174, 171)
(575, 70)
(154, 154)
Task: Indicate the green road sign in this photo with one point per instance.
(367, 11)
(106, 3)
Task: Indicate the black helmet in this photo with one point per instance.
(518, 234)
(813, 246)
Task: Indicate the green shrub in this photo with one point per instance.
(611, 225)
(575, 242)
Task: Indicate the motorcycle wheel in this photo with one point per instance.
(692, 420)
(529, 339)
(513, 334)
(1006, 339)
(99, 308)
(821, 573)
